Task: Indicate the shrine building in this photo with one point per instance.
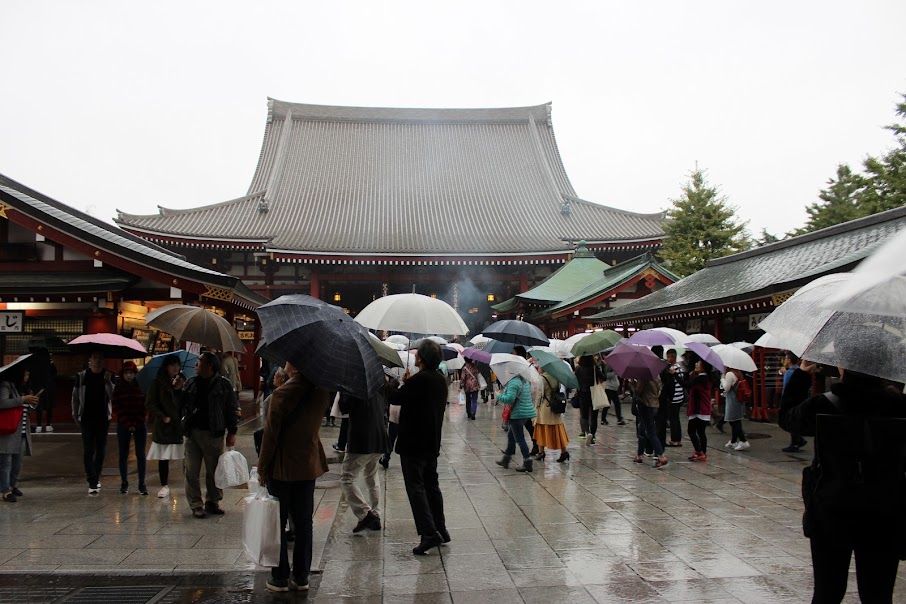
(473, 206)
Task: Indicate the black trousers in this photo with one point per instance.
(615, 404)
(876, 571)
(94, 446)
(737, 432)
(393, 430)
(297, 501)
(425, 498)
(697, 434)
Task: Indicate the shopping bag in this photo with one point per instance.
(395, 414)
(462, 397)
(599, 398)
(232, 470)
(482, 383)
(253, 484)
(10, 420)
(261, 528)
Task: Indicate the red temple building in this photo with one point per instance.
(470, 205)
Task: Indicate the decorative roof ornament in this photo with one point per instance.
(263, 206)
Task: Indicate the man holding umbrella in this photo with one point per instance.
(210, 412)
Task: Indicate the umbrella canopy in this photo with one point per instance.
(476, 354)
(555, 366)
(413, 313)
(322, 342)
(44, 342)
(516, 332)
(878, 285)
(414, 344)
(19, 364)
(596, 342)
(863, 342)
(566, 346)
(704, 338)
(400, 340)
(195, 324)
(508, 366)
(707, 354)
(734, 358)
(768, 341)
(632, 361)
(149, 371)
(659, 336)
(407, 363)
(113, 346)
(743, 346)
(455, 364)
(479, 339)
(387, 354)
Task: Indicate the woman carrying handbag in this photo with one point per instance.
(17, 443)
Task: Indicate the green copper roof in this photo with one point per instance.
(572, 277)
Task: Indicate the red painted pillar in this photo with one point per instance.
(523, 282)
(315, 285)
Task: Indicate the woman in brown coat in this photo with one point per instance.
(549, 430)
(291, 459)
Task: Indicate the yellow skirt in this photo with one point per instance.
(551, 437)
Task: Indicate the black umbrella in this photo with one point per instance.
(322, 342)
(18, 365)
(495, 346)
(516, 332)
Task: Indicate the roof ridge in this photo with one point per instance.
(843, 227)
(162, 211)
(305, 111)
(649, 215)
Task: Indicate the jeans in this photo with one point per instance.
(471, 402)
(425, 498)
(876, 571)
(515, 435)
(737, 431)
(123, 438)
(647, 433)
(201, 445)
(615, 404)
(297, 501)
(94, 446)
(10, 466)
(588, 420)
(361, 464)
(697, 434)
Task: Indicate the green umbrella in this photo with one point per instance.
(556, 367)
(388, 355)
(596, 342)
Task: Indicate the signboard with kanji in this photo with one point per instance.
(11, 321)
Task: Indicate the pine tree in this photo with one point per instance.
(840, 202)
(700, 226)
(887, 174)
(766, 238)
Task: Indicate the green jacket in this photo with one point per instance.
(518, 394)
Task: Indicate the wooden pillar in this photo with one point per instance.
(523, 282)
(315, 291)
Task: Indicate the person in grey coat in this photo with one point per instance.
(14, 446)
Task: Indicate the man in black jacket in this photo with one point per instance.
(423, 400)
(211, 410)
(366, 443)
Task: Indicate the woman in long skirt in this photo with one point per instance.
(163, 406)
(550, 432)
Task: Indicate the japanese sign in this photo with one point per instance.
(754, 320)
(11, 321)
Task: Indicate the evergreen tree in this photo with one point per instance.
(887, 174)
(699, 227)
(766, 238)
(840, 202)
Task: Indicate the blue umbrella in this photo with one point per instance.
(495, 347)
(152, 367)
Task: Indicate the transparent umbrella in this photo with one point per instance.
(704, 338)
(734, 357)
(878, 285)
(864, 342)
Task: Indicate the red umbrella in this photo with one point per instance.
(110, 344)
(630, 361)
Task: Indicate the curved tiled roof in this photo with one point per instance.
(767, 270)
(407, 181)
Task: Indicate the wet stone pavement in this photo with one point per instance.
(598, 528)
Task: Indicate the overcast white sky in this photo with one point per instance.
(131, 105)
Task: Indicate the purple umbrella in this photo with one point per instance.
(658, 336)
(707, 354)
(630, 361)
(477, 355)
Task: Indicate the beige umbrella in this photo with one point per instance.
(195, 324)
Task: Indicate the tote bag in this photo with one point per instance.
(10, 420)
(599, 397)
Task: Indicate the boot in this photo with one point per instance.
(526, 465)
(534, 450)
(504, 462)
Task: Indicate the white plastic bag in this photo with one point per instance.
(254, 485)
(482, 383)
(462, 397)
(261, 528)
(232, 470)
(395, 414)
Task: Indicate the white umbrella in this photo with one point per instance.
(769, 341)
(454, 364)
(508, 366)
(862, 342)
(399, 340)
(705, 338)
(413, 313)
(408, 363)
(744, 346)
(878, 285)
(565, 349)
(479, 339)
(734, 357)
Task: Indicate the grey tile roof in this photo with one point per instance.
(774, 268)
(116, 241)
(407, 181)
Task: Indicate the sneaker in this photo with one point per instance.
(124, 488)
(604, 422)
(695, 456)
(93, 490)
(48, 428)
(582, 435)
(702, 457)
(298, 585)
(277, 584)
(37, 428)
(9, 497)
(790, 449)
(200, 513)
(622, 422)
(742, 445)
(163, 492)
(142, 489)
(730, 445)
(590, 440)
(337, 448)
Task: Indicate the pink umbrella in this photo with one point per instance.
(110, 344)
(631, 361)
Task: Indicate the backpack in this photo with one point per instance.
(557, 402)
(743, 391)
(856, 487)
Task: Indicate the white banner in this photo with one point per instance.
(11, 321)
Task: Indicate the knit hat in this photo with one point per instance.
(128, 366)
